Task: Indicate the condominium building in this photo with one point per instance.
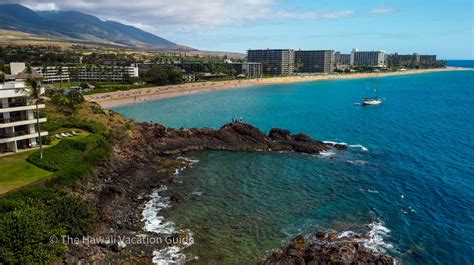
(342, 60)
(88, 73)
(319, 61)
(367, 58)
(54, 73)
(411, 60)
(274, 62)
(248, 69)
(107, 73)
(17, 118)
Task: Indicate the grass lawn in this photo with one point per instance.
(15, 172)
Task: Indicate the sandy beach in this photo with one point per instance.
(123, 98)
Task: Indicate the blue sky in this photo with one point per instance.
(438, 27)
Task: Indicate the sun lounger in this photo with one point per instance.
(64, 135)
(59, 136)
(69, 135)
(75, 133)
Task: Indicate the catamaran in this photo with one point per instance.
(372, 101)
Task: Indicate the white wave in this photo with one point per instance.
(198, 193)
(334, 143)
(154, 222)
(173, 254)
(327, 153)
(157, 224)
(192, 161)
(169, 255)
(348, 233)
(363, 148)
(373, 239)
(376, 235)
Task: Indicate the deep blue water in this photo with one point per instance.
(416, 179)
(460, 63)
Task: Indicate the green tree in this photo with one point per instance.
(75, 99)
(33, 92)
(2, 77)
(69, 102)
(59, 71)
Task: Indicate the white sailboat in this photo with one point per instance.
(372, 101)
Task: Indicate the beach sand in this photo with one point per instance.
(123, 98)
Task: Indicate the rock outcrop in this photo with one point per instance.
(327, 249)
(236, 136)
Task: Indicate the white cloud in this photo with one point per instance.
(43, 6)
(183, 14)
(382, 10)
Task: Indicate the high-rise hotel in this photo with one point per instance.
(367, 58)
(319, 61)
(274, 62)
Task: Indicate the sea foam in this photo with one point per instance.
(157, 224)
(154, 222)
(373, 239)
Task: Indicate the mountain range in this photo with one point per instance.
(72, 26)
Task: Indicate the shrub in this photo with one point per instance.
(59, 156)
(74, 215)
(24, 237)
(47, 139)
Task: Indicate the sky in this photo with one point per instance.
(442, 27)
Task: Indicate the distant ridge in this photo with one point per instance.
(80, 27)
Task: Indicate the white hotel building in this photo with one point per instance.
(367, 58)
(17, 118)
(87, 73)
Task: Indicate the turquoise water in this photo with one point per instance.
(416, 178)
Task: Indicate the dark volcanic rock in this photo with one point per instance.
(236, 136)
(146, 160)
(279, 134)
(326, 249)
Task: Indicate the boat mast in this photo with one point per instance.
(377, 88)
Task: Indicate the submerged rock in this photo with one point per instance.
(327, 249)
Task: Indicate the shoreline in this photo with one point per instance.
(123, 98)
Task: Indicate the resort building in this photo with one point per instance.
(248, 69)
(343, 61)
(54, 73)
(87, 73)
(320, 61)
(106, 73)
(367, 58)
(274, 62)
(411, 60)
(17, 118)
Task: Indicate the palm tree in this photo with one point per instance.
(34, 94)
(59, 71)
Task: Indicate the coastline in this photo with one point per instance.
(122, 98)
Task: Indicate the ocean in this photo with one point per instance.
(460, 63)
(406, 180)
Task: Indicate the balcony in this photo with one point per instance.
(21, 135)
(18, 104)
(11, 122)
(20, 108)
